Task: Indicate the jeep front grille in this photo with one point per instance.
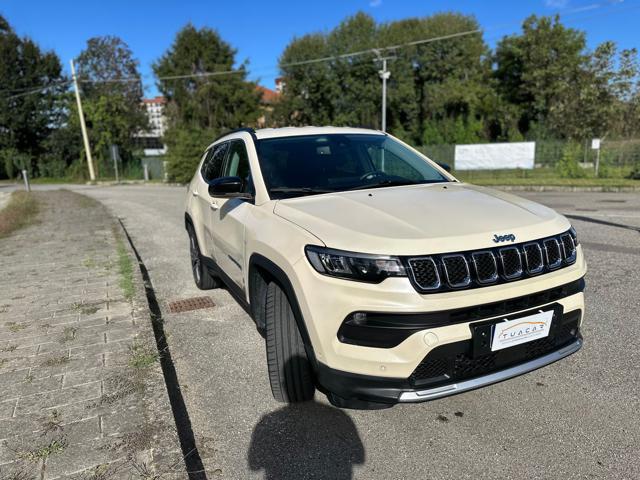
(569, 247)
(485, 265)
(456, 270)
(470, 269)
(552, 251)
(511, 262)
(533, 258)
(424, 272)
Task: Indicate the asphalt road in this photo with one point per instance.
(578, 418)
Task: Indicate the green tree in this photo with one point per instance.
(435, 91)
(358, 103)
(30, 83)
(309, 89)
(112, 95)
(216, 102)
(201, 106)
(626, 88)
(185, 147)
(541, 71)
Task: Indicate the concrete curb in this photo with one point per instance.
(166, 454)
(560, 188)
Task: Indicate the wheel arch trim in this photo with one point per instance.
(260, 261)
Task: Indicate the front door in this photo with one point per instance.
(228, 216)
(211, 169)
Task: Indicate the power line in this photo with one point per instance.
(19, 90)
(203, 74)
(375, 51)
(380, 49)
(36, 90)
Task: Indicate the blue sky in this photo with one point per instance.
(261, 30)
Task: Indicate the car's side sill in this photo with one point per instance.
(232, 287)
(446, 390)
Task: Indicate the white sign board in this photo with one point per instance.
(595, 144)
(494, 156)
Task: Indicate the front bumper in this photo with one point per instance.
(455, 368)
(429, 321)
(466, 385)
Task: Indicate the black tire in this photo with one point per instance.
(289, 369)
(202, 277)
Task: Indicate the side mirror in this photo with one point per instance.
(225, 187)
(445, 166)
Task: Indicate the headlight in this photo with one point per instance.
(354, 266)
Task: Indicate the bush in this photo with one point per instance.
(569, 166)
(635, 173)
(13, 162)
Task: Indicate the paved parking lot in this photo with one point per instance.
(578, 418)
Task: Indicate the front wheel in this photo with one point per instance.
(289, 369)
(204, 280)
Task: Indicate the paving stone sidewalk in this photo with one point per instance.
(81, 389)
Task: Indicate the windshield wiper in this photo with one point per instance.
(384, 183)
(301, 190)
(394, 183)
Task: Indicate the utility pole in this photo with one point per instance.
(384, 75)
(115, 156)
(83, 126)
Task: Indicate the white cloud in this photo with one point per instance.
(375, 3)
(586, 8)
(556, 3)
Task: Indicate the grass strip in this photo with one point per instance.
(20, 212)
(126, 271)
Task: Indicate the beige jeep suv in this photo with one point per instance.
(374, 275)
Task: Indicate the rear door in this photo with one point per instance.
(229, 214)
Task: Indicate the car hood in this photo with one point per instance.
(420, 219)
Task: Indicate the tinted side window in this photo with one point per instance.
(205, 164)
(238, 163)
(212, 166)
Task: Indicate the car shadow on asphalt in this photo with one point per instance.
(306, 440)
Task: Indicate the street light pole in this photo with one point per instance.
(83, 126)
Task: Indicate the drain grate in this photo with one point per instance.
(189, 304)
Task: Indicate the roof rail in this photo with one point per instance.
(249, 130)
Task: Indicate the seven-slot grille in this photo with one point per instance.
(437, 273)
(511, 262)
(425, 273)
(485, 267)
(456, 270)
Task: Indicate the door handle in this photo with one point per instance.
(213, 206)
(194, 193)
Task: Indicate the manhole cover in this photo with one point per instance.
(189, 304)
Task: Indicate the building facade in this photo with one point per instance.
(155, 112)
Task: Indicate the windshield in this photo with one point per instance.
(306, 165)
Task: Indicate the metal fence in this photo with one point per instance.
(131, 170)
(623, 154)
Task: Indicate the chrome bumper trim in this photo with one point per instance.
(433, 393)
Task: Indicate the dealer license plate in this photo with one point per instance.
(521, 330)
